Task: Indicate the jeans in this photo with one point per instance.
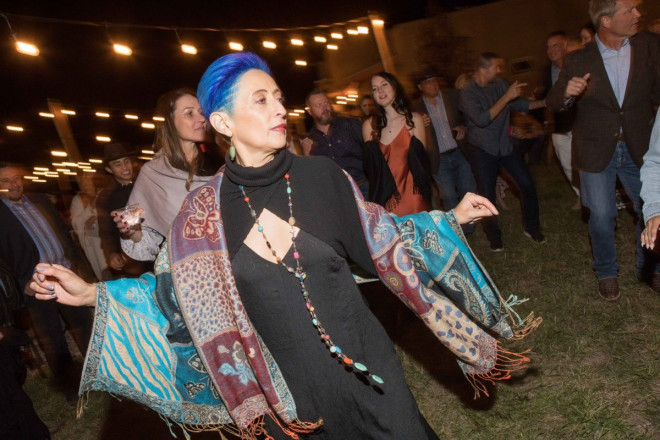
(598, 196)
(454, 178)
(486, 168)
(529, 146)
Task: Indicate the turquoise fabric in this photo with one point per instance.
(445, 263)
(140, 350)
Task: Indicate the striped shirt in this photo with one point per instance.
(41, 232)
(438, 116)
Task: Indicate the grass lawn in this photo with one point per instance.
(595, 371)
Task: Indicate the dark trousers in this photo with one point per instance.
(47, 317)
(18, 420)
(485, 168)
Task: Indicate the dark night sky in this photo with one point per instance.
(76, 66)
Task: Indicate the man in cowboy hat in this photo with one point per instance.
(119, 162)
(451, 171)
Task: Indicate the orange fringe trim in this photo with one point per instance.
(294, 428)
(506, 362)
(256, 429)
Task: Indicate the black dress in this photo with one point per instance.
(330, 234)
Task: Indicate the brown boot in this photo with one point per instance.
(655, 282)
(608, 288)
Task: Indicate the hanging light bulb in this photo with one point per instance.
(185, 48)
(27, 48)
(189, 49)
(21, 46)
(122, 49)
(233, 45)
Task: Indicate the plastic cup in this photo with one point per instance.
(131, 214)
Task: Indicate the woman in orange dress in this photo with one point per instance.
(395, 158)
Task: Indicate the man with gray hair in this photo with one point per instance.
(613, 83)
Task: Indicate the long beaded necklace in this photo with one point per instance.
(300, 274)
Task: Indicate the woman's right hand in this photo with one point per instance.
(473, 208)
(127, 232)
(124, 229)
(59, 283)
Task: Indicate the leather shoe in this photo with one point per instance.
(608, 288)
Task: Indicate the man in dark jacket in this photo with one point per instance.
(614, 83)
(31, 231)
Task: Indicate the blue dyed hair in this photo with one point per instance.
(218, 84)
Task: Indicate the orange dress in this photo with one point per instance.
(407, 201)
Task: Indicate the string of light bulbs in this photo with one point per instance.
(327, 34)
(145, 118)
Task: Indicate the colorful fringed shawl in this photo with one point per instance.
(182, 343)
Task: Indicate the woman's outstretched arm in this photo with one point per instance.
(59, 283)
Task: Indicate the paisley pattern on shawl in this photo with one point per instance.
(445, 264)
(181, 342)
(203, 220)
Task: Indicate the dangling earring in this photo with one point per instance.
(232, 152)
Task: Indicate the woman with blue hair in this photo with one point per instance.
(253, 323)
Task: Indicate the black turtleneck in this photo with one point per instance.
(323, 202)
(330, 234)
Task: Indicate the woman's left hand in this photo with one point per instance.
(473, 208)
